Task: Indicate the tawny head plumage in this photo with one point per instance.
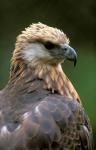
(40, 43)
(41, 32)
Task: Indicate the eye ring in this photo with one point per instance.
(49, 45)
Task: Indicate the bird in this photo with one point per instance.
(39, 107)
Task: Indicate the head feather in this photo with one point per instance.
(40, 32)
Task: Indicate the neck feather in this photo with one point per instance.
(56, 80)
(53, 76)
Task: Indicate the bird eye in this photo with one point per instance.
(65, 49)
(49, 45)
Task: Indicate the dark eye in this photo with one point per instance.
(65, 49)
(49, 45)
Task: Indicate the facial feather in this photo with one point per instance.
(31, 50)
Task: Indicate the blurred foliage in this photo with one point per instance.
(76, 18)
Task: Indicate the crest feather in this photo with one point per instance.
(40, 32)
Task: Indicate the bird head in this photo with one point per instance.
(41, 44)
(41, 49)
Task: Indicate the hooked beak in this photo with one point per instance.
(69, 53)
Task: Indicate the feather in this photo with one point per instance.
(39, 107)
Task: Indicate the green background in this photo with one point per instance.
(76, 18)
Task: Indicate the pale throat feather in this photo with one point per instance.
(53, 76)
(56, 80)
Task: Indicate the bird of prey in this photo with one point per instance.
(39, 107)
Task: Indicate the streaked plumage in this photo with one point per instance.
(39, 107)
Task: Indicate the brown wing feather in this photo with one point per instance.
(55, 122)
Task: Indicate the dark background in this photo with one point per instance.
(76, 18)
